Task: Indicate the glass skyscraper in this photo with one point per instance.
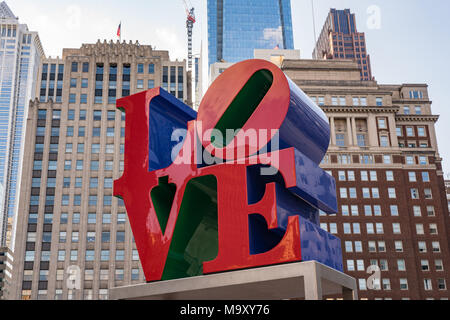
(20, 55)
(237, 27)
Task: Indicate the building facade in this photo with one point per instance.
(447, 188)
(20, 56)
(5, 272)
(237, 27)
(384, 157)
(69, 222)
(340, 39)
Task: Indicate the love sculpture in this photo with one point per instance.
(201, 200)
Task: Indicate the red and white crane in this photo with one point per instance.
(190, 20)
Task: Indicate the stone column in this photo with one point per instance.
(333, 131)
(372, 131)
(355, 139)
(349, 133)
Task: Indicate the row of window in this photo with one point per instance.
(383, 265)
(386, 284)
(94, 166)
(349, 175)
(373, 246)
(375, 210)
(75, 219)
(374, 228)
(370, 159)
(119, 255)
(421, 131)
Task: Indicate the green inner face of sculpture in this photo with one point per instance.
(243, 106)
(195, 238)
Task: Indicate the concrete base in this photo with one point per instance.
(310, 280)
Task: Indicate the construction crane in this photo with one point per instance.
(190, 20)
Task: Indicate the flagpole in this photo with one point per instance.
(120, 34)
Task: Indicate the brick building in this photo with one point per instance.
(391, 196)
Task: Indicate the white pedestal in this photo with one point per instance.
(310, 280)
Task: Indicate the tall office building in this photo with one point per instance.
(340, 39)
(20, 55)
(237, 27)
(68, 218)
(391, 195)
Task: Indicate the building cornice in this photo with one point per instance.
(353, 109)
(415, 117)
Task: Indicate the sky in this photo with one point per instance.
(408, 40)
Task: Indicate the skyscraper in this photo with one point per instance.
(340, 39)
(20, 55)
(68, 217)
(237, 27)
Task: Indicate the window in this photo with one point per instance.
(362, 284)
(419, 229)
(428, 193)
(441, 284)
(348, 246)
(421, 131)
(422, 246)
(425, 266)
(406, 110)
(367, 210)
(436, 246)
(398, 246)
(347, 228)
(106, 237)
(375, 193)
(414, 194)
(151, 84)
(398, 131)
(412, 176)
(370, 229)
(422, 160)
(366, 193)
(360, 265)
(403, 284)
(410, 160)
(356, 228)
(389, 176)
(333, 228)
(382, 123)
(433, 229)
(351, 175)
(341, 175)
(140, 68)
(430, 211)
(379, 101)
(379, 228)
(340, 140)
(354, 210)
(83, 98)
(104, 255)
(74, 67)
(73, 82)
(344, 210)
(140, 84)
(439, 266)
(417, 211)
(386, 284)
(401, 265)
(350, 265)
(90, 256)
(409, 132)
(343, 192)
(119, 274)
(73, 255)
(90, 237)
(364, 176)
(72, 98)
(425, 177)
(85, 66)
(396, 228)
(352, 192)
(427, 284)
(120, 255)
